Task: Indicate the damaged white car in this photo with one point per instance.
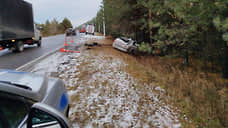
(126, 45)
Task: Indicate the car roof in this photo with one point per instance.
(25, 84)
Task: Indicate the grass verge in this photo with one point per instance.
(201, 95)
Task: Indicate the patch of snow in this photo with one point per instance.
(48, 65)
(116, 102)
(93, 37)
(159, 89)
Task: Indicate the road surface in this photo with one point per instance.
(10, 60)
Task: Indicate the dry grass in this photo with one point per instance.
(98, 34)
(197, 93)
(201, 95)
(107, 96)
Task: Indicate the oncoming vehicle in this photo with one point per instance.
(126, 45)
(90, 29)
(70, 32)
(82, 30)
(30, 100)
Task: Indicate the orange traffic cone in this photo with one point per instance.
(62, 50)
(65, 39)
(72, 40)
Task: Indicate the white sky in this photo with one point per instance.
(78, 11)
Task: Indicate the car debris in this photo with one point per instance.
(94, 44)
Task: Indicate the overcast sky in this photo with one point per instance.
(78, 11)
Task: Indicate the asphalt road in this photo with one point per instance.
(10, 60)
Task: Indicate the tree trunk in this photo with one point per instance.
(186, 58)
(150, 26)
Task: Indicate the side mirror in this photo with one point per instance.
(42, 115)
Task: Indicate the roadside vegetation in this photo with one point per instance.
(184, 49)
(198, 29)
(53, 27)
(200, 95)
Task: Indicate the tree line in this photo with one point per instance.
(176, 27)
(54, 27)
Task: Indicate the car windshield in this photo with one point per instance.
(125, 39)
(12, 116)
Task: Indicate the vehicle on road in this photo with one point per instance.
(17, 26)
(90, 29)
(30, 100)
(126, 45)
(71, 31)
(82, 30)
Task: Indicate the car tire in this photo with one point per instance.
(132, 51)
(67, 112)
(19, 46)
(39, 43)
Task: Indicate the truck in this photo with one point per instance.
(17, 25)
(82, 30)
(90, 29)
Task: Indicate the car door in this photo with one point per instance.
(45, 116)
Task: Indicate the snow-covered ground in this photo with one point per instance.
(103, 94)
(93, 37)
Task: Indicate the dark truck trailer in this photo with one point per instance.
(17, 25)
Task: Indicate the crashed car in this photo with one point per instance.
(126, 45)
(31, 101)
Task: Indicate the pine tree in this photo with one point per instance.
(66, 23)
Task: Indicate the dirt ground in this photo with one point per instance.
(104, 93)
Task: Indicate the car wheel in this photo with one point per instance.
(132, 51)
(39, 43)
(19, 47)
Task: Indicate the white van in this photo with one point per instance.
(90, 29)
